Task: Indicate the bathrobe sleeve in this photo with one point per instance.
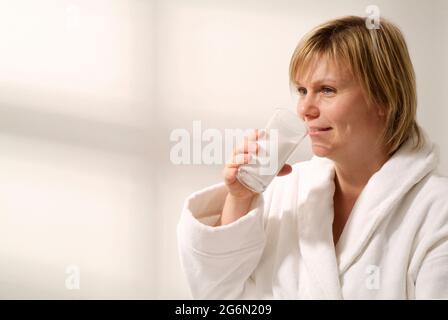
(219, 261)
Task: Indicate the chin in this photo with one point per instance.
(321, 151)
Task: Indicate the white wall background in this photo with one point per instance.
(87, 104)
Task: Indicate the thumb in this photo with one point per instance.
(286, 169)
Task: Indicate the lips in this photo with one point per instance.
(319, 129)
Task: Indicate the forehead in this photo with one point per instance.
(323, 69)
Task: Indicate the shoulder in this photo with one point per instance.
(438, 181)
(435, 189)
(431, 202)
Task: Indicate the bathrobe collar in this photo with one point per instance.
(379, 198)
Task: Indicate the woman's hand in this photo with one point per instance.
(239, 197)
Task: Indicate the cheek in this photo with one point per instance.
(358, 127)
(347, 108)
(340, 118)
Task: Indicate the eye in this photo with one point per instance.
(302, 91)
(328, 90)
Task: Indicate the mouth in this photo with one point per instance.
(319, 129)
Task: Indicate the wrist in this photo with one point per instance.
(240, 199)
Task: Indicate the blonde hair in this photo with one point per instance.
(379, 60)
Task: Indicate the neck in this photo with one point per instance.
(353, 174)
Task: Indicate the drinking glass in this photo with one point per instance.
(281, 136)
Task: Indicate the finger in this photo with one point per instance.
(257, 134)
(248, 147)
(286, 169)
(252, 136)
(242, 158)
(239, 159)
(261, 133)
(230, 175)
(242, 147)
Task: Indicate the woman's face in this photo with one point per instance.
(332, 103)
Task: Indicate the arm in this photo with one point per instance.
(218, 261)
(220, 258)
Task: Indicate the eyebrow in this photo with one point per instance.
(320, 81)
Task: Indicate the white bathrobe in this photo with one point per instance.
(394, 245)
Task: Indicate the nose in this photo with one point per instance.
(307, 108)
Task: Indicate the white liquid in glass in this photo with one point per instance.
(282, 135)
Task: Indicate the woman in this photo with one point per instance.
(365, 218)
